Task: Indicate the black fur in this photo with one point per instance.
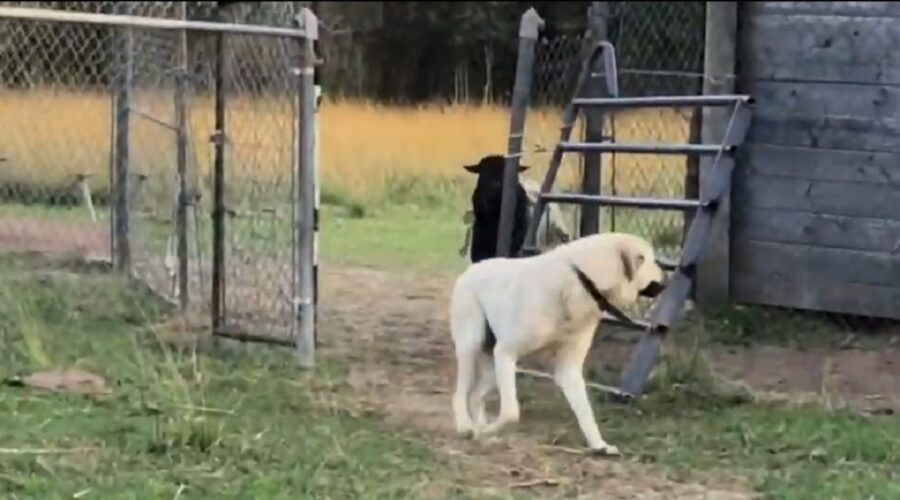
(591, 288)
(486, 203)
(490, 340)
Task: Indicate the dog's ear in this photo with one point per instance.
(631, 262)
(626, 265)
(475, 169)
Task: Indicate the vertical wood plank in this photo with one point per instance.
(713, 279)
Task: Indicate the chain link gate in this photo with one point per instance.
(130, 99)
(659, 49)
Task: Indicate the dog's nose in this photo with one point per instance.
(653, 289)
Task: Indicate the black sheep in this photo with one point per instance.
(486, 203)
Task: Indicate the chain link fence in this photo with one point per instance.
(85, 104)
(56, 124)
(557, 63)
(659, 51)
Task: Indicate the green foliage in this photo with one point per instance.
(406, 52)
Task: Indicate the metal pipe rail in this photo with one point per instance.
(662, 101)
(126, 21)
(624, 201)
(661, 149)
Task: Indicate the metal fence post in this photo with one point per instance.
(181, 83)
(121, 234)
(592, 178)
(217, 302)
(529, 29)
(304, 322)
(318, 201)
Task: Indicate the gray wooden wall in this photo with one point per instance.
(816, 201)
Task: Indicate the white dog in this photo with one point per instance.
(505, 308)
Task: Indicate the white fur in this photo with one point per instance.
(533, 303)
(552, 229)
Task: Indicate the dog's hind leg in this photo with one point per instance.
(466, 368)
(569, 376)
(468, 330)
(487, 382)
(505, 372)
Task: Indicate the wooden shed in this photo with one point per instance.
(815, 205)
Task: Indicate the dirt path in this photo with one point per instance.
(394, 330)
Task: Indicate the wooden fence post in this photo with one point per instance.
(713, 268)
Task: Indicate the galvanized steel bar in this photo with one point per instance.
(622, 201)
(635, 324)
(304, 324)
(663, 101)
(121, 236)
(662, 149)
(181, 215)
(217, 302)
(529, 29)
(128, 21)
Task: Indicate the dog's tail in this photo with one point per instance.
(468, 321)
(470, 332)
(490, 340)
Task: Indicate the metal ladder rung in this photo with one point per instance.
(635, 324)
(661, 101)
(667, 264)
(665, 149)
(623, 201)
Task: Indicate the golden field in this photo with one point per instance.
(367, 150)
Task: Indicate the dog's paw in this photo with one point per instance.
(606, 450)
(465, 432)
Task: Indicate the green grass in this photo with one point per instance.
(697, 428)
(422, 233)
(243, 426)
(251, 425)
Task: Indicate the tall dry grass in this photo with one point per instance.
(369, 152)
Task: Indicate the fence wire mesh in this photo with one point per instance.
(557, 63)
(261, 133)
(54, 81)
(659, 51)
(57, 86)
(62, 86)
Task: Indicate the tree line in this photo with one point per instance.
(397, 52)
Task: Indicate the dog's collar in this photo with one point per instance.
(598, 297)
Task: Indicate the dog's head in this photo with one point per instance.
(639, 267)
(489, 186)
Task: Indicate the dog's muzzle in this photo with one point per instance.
(653, 289)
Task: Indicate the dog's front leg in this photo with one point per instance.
(570, 378)
(505, 370)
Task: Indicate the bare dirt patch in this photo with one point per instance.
(866, 380)
(392, 331)
(55, 239)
